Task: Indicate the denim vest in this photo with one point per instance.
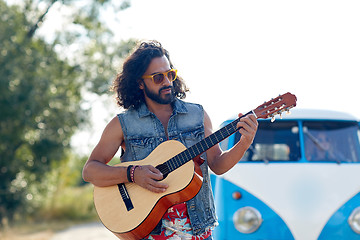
(143, 132)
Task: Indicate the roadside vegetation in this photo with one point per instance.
(44, 76)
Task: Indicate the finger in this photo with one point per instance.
(154, 169)
(249, 120)
(247, 117)
(248, 130)
(243, 124)
(157, 177)
(157, 184)
(151, 172)
(247, 127)
(155, 189)
(245, 132)
(253, 118)
(250, 117)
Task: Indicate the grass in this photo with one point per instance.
(72, 206)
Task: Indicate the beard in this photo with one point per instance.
(156, 97)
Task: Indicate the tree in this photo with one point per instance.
(41, 89)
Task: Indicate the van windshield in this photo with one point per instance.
(277, 141)
(331, 141)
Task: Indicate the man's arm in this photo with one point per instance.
(96, 169)
(222, 161)
(100, 174)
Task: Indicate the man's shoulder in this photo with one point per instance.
(113, 128)
(190, 105)
(133, 112)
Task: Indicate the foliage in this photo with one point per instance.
(41, 92)
(65, 199)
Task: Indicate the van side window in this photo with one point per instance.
(331, 141)
(277, 141)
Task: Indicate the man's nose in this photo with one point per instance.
(166, 80)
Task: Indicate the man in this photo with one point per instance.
(149, 90)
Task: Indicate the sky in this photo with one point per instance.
(234, 55)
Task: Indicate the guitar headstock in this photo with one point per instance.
(276, 106)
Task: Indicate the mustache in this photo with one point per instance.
(166, 87)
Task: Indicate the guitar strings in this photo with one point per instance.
(200, 147)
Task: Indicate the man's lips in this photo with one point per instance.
(166, 90)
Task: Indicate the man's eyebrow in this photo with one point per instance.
(159, 72)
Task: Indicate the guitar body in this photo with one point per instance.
(149, 207)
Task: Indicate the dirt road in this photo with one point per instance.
(89, 231)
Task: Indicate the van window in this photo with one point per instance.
(277, 141)
(331, 141)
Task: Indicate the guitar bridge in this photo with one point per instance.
(125, 196)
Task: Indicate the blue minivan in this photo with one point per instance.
(300, 179)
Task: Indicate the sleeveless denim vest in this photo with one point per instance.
(143, 132)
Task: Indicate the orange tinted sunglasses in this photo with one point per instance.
(159, 77)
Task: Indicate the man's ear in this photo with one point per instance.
(141, 85)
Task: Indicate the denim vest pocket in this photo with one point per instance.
(141, 148)
(192, 137)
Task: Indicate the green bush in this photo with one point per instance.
(71, 203)
(62, 195)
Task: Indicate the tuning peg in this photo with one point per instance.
(288, 111)
(272, 118)
(280, 115)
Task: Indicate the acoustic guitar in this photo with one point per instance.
(132, 212)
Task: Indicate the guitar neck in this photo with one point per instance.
(268, 109)
(200, 147)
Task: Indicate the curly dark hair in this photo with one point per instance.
(126, 83)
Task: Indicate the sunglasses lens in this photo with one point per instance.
(158, 78)
(171, 75)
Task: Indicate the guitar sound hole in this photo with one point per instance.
(163, 169)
